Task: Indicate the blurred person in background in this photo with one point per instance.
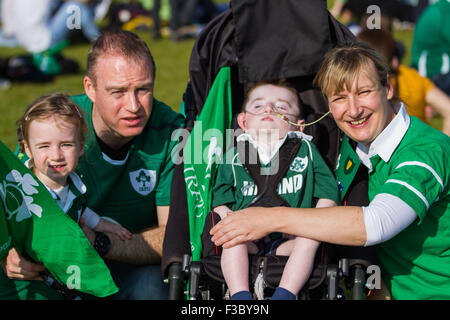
(41, 26)
(416, 91)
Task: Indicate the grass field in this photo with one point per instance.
(171, 58)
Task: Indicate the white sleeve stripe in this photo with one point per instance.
(412, 189)
(309, 147)
(424, 165)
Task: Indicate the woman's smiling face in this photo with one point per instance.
(364, 110)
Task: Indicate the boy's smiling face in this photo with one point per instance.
(263, 104)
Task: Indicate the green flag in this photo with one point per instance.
(33, 223)
(346, 166)
(204, 148)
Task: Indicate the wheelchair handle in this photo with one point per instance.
(175, 282)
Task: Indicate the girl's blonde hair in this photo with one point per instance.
(56, 104)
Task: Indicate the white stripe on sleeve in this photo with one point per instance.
(423, 165)
(410, 187)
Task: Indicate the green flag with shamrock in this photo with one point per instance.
(33, 223)
(204, 149)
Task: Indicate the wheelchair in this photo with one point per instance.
(249, 39)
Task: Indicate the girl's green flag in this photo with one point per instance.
(33, 223)
(204, 149)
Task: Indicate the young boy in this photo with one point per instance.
(270, 120)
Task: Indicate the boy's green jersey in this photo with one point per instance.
(308, 177)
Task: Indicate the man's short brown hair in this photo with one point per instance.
(124, 43)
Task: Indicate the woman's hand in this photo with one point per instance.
(249, 224)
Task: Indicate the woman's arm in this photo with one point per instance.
(340, 225)
(385, 217)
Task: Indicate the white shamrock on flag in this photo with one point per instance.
(15, 192)
(213, 151)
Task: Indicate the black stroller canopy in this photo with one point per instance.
(283, 43)
(265, 39)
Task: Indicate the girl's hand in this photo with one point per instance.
(17, 267)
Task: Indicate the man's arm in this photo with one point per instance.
(143, 248)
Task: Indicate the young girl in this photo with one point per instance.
(52, 134)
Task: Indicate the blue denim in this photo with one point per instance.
(64, 18)
(138, 282)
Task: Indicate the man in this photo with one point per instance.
(127, 165)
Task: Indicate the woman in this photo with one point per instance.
(408, 165)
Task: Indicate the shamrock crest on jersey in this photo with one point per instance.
(299, 164)
(143, 181)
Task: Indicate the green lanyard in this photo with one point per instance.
(347, 165)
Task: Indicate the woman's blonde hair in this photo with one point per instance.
(342, 65)
(56, 104)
